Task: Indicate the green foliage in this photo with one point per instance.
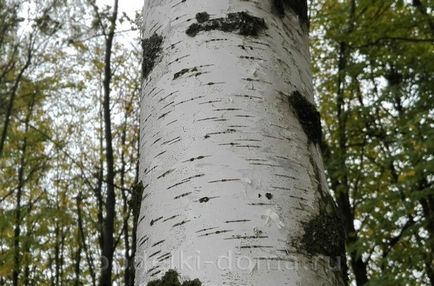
(51, 166)
(374, 78)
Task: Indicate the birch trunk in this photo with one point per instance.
(234, 191)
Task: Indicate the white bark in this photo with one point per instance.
(227, 168)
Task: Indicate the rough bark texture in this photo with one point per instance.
(233, 180)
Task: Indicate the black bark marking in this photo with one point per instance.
(171, 141)
(308, 116)
(190, 99)
(155, 220)
(159, 154)
(186, 180)
(184, 71)
(238, 220)
(246, 237)
(152, 269)
(164, 114)
(165, 97)
(227, 144)
(240, 22)
(205, 229)
(228, 131)
(215, 40)
(250, 58)
(180, 223)
(205, 119)
(165, 173)
(143, 238)
(203, 200)
(150, 170)
(143, 242)
(157, 243)
(214, 233)
(151, 50)
(141, 219)
(248, 146)
(264, 164)
(164, 258)
(227, 109)
(255, 246)
(285, 176)
(154, 274)
(223, 180)
(155, 253)
(182, 195)
(298, 6)
(145, 196)
(169, 218)
(156, 140)
(195, 158)
(269, 196)
(207, 199)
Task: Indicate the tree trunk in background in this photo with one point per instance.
(110, 202)
(234, 191)
(20, 193)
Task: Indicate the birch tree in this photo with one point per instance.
(234, 191)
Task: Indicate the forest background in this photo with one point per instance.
(63, 103)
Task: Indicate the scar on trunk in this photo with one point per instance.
(240, 22)
(308, 116)
(151, 50)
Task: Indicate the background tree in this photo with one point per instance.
(374, 81)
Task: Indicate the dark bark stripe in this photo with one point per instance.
(240, 22)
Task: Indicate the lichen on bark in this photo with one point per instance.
(151, 49)
(240, 22)
(171, 278)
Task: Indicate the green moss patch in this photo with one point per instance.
(171, 278)
(151, 50)
(240, 22)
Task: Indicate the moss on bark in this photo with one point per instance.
(151, 50)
